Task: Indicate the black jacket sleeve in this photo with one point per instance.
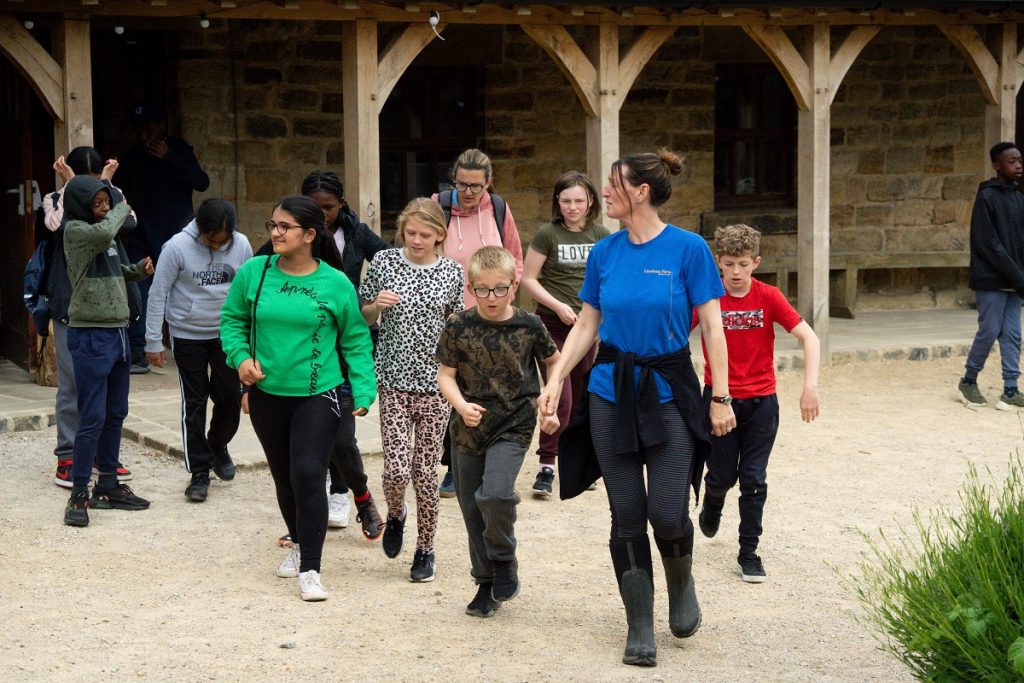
(988, 245)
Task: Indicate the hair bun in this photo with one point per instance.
(672, 162)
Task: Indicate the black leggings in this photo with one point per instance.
(665, 499)
(297, 434)
(346, 465)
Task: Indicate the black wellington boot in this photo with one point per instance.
(683, 609)
(632, 560)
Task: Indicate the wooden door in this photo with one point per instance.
(16, 212)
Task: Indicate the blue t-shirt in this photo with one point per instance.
(646, 294)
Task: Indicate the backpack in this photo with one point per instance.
(34, 290)
(445, 200)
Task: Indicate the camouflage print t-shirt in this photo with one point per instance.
(496, 367)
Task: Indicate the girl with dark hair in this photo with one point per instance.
(192, 280)
(553, 274)
(357, 244)
(639, 291)
(287, 323)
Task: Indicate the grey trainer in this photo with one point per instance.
(969, 394)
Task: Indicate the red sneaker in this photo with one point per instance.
(123, 473)
(63, 476)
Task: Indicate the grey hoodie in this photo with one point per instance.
(190, 285)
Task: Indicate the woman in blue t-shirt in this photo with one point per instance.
(640, 288)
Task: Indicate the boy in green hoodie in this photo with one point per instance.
(98, 341)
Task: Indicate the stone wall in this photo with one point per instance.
(907, 130)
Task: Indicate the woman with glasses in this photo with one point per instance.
(192, 280)
(286, 321)
(553, 274)
(474, 224)
(646, 416)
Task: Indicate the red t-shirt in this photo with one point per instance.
(750, 338)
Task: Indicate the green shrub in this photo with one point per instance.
(949, 601)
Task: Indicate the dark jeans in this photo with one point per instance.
(572, 387)
(998, 318)
(137, 328)
(297, 433)
(203, 374)
(101, 358)
(346, 464)
(664, 499)
(742, 455)
(486, 488)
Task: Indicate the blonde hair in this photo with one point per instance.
(473, 160)
(492, 260)
(737, 240)
(429, 213)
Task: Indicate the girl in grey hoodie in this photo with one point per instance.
(193, 276)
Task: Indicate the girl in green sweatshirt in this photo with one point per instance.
(286, 319)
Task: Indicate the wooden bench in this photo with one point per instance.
(845, 301)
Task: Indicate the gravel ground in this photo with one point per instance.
(187, 591)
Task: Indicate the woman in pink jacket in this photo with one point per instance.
(478, 218)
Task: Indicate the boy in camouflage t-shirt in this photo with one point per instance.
(488, 371)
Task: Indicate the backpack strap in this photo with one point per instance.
(445, 200)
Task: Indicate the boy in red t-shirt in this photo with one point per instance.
(749, 310)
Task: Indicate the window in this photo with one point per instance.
(755, 137)
(429, 119)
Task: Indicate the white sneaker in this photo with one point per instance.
(310, 587)
(289, 567)
(337, 510)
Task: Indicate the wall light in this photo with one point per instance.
(29, 24)
(119, 30)
(204, 22)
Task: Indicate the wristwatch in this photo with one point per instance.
(724, 400)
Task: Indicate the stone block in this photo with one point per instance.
(268, 184)
(886, 189)
(307, 153)
(892, 91)
(647, 96)
(924, 187)
(874, 215)
(692, 96)
(317, 128)
(254, 153)
(840, 216)
(332, 103)
(837, 137)
(297, 99)
(913, 212)
(871, 162)
(510, 101)
(939, 159)
(904, 160)
(858, 240)
(960, 186)
(266, 127)
(320, 51)
(273, 51)
(930, 238)
(254, 100)
(500, 76)
(326, 76)
(335, 155)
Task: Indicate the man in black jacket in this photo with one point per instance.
(997, 278)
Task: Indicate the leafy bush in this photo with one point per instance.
(950, 600)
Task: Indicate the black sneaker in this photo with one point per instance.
(506, 580)
(709, 519)
(223, 465)
(119, 498)
(483, 605)
(542, 484)
(422, 567)
(199, 487)
(751, 569)
(393, 532)
(369, 518)
(77, 511)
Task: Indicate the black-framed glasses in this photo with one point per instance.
(471, 188)
(498, 292)
(279, 227)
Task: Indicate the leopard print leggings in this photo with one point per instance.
(403, 414)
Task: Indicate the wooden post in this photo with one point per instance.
(71, 48)
(43, 73)
(362, 125)
(601, 82)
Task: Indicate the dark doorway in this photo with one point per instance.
(430, 117)
(26, 136)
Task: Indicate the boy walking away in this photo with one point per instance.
(997, 278)
(488, 372)
(98, 341)
(750, 309)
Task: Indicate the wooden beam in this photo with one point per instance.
(571, 61)
(640, 52)
(71, 45)
(813, 179)
(43, 73)
(981, 61)
(779, 48)
(1001, 117)
(398, 55)
(603, 127)
(845, 56)
(362, 125)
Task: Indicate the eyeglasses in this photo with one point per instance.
(471, 188)
(279, 228)
(484, 292)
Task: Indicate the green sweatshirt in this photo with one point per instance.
(95, 269)
(302, 321)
